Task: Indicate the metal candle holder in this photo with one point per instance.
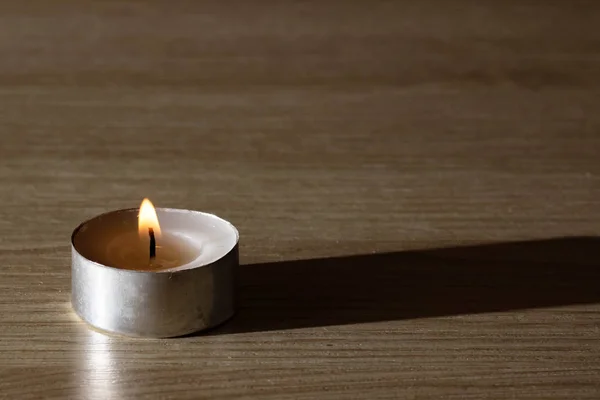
(163, 303)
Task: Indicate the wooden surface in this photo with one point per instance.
(417, 187)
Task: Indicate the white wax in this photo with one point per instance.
(189, 239)
(128, 251)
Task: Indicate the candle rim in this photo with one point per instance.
(180, 268)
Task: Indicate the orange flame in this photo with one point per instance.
(147, 218)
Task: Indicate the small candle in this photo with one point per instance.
(154, 272)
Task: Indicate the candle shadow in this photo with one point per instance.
(417, 284)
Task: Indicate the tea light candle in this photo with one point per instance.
(154, 272)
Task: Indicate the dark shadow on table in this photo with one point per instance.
(417, 284)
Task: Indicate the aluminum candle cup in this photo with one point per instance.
(187, 287)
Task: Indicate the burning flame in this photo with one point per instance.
(147, 219)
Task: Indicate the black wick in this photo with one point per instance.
(152, 243)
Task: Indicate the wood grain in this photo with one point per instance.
(417, 187)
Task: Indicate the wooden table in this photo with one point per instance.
(417, 187)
